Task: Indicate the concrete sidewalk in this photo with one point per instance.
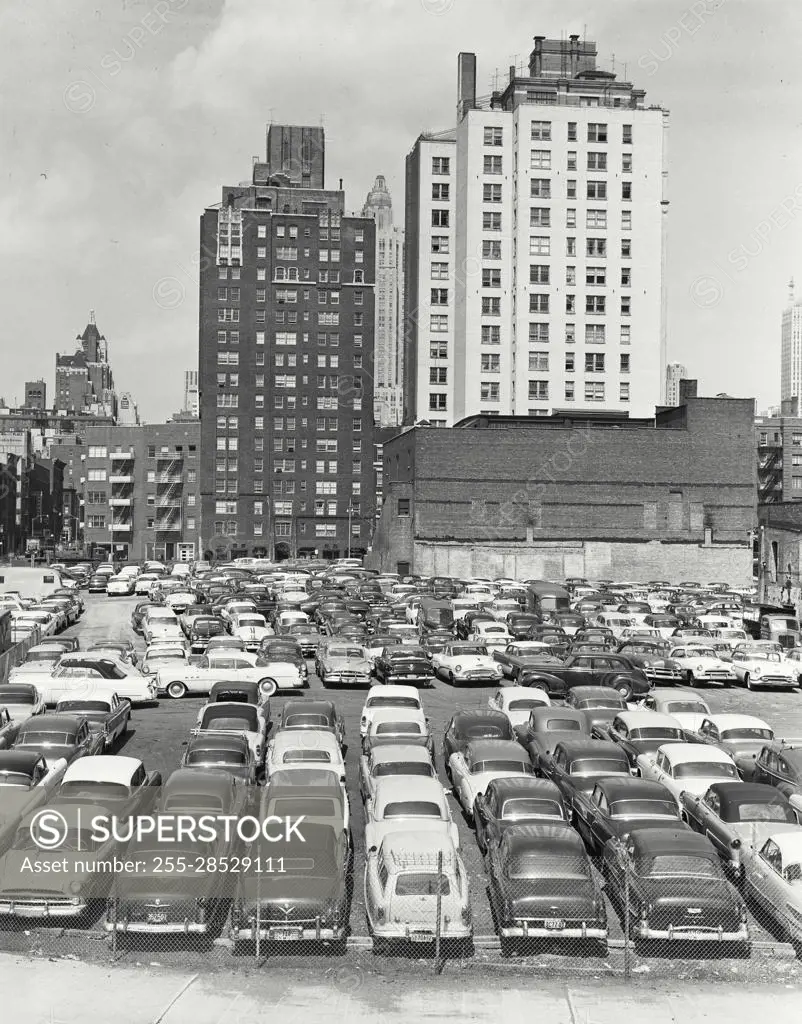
(69, 992)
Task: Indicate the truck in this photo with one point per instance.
(772, 622)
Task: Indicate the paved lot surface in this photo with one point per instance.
(157, 735)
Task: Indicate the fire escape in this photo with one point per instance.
(169, 498)
(770, 474)
(121, 497)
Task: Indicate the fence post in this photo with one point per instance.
(114, 897)
(627, 920)
(258, 914)
(438, 965)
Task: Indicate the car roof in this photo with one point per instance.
(46, 648)
(627, 787)
(98, 690)
(390, 788)
(591, 748)
(217, 741)
(647, 719)
(393, 690)
(468, 717)
(586, 692)
(490, 750)
(392, 752)
(733, 794)
(309, 707)
(682, 752)
(523, 837)
(526, 785)
(193, 780)
(53, 723)
(674, 693)
(102, 768)
(730, 720)
(510, 693)
(652, 842)
(541, 716)
(290, 739)
(22, 761)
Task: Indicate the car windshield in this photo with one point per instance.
(765, 812)
(693, 707)
(250, 620)
(643, 809)
(679, 864)
(322, 756)
(8, 695)
(400, 728)
(461, 652)
(345, 652)
(524, 705)
(91, 791)
(600, 703)
(404, 768)
(48, 656)
(701, 652)
(599, 766)
(484, 732)
(750, 734)
(659, 732)
(705, 770)
(412, 809)
(420, 883)
(563, 725)
(546, 864)
(208, 757)
(82, 705)
(501, 765)
(306, 721)
(763, 656)
(49, 739)
(392, 702)
(522, 808)
(16, 780)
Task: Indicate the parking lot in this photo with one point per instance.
(158, 733)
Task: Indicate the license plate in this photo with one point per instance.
(554, 924)
(421, 937)
(285, 934)
(157, 917)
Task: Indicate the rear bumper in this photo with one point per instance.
(149, 927)
(281, 933)
(538, 930)
(40, 909)
(407, 933)
(690, 934)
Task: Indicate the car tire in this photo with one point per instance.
(690, 679)
(747, 681)
(623, 687)
(176, 690)
(451, 679)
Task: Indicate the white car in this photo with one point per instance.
(688, 708)
(773, 881)
(160, 656)
(466, 662)
(493, 635)
(238, 719)
(483, 761)
(120, 586)
(183, 678)
(691, 767)
(388, 696)
(731, 636)
(294, 749)
(40, 658)
(159, 623)
(22, 700)
(81, 671)
(502, 607)
(402, 805)
(756, 668)
(251, 628)
(701, 664)
(394, 760)
(398, 725)
(517, 701)
(144, 582)
(405, 631)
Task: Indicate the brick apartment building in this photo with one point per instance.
(138, 491)
(286, 361)
(672, 497)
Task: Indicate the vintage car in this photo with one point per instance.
(285, 649)
(575, 765)
(403, 664)
(465, 663)
(691, 767)
(339, 663)
(107, 713)
(203, 629)
(701, 664)
(317, 792)
(21, 700)
(542, 886)
(251, 628)
(198, 791)
(120, 586)
(758, 669)
(519, 657)
(772, 881)
(160, 623)
(58, 737)
(26, 782)
(313, 714)
(163, 655)
(77, 673)
(612, 670)
(481, 761)
(402, 804)
(305, 900)
(651, 657)
(306, 635)
(180, 680)
(119, 784)
(235, 718)
(546, 727)
(42, 658)
(741, 736)
(780, 764)
(519, 623)
(466, 726)
(640, 732)
(393, 759)
(490, 634)
(398, 725)
(108, 647)
(599, 703)
(229, 752)
(516, 702)
(9, 728)
(731, 636)
(376, 643)
(409, 876)
(295, 749)
(60, 644)
(737, 816)
(614, 806)
(676, 887)
(381, 697)
(144, 582)
(515, 800)
(686, 707)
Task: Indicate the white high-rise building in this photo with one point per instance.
(191, 393)
(675, 372)
(389, 350)
(791, 352)
(534, 268)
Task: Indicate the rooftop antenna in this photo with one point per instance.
(91, 316)
(791, 289)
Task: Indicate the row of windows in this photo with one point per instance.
(540, 245)
(540, 217)
(489, 391)
(595, 334)
(232, 316)
(284, 339)
(289, 296)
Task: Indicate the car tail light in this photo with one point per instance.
(466, 915)
(381, 915)
(735, 844)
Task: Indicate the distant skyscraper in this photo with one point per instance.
(389, 357)
(84, 381)
(191, 393)
(791, 353)
(35, 394)
(675, 372)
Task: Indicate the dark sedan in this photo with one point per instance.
(518, 800)
(641, 732)
(58, 737)
(549, 726)
(611, 670)
(651, 658)
(542, 886)
(466, 726)
(519, 624)
(575, 765)
(405, 665)
(223, 751)
(676, 886)
(313, 714)
(614, 806)
(600, 703)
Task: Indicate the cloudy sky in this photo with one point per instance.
(122, 119)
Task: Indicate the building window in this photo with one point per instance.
(440, 191)
(570, 217)
(437, 402)
(596, 219)
(491, 278)
(626, 191)
(594, 391)
(570, 246)
(596, 277)
(626, 163)
(540, 160)
(97, 451)
(570, 334)
(597, 132)
(569, 391)
(539, 302)
(594, 362)
(540, 217)
(595, 334)
(96, 475)
(597, 247)
(438, 349)
(439, 296)
(541, 131)
(595, 305)
(491, 221)
(625, 357)
(626, 334)
(438, 322)
(597, 190)
(441, 165)
(440, 218)
(538, 332)
(491, 193)
(491, 249)
(539, 273)
(572, 131)
(570, 362)
(540, 188)
(539, 361)
(626, 306)
(539, 245)
(626, 220)
(570, 276)
(439, 271)
(538, 390)
(440, 244)
(491, 306)
(570, 163)
(570, 188)
(490, 363)
(493, 136)
(491, 165)
(438, 375)
(570, 303)
(489, 391)
(626, 134)
(96, 522)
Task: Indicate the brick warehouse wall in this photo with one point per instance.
(613, 483)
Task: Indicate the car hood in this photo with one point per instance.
(19, 876)
(755, 833)
(348, 664)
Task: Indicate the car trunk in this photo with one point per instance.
(692, 903)
(570, 899)
(419, 911)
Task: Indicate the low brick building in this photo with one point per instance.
(673, 497)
